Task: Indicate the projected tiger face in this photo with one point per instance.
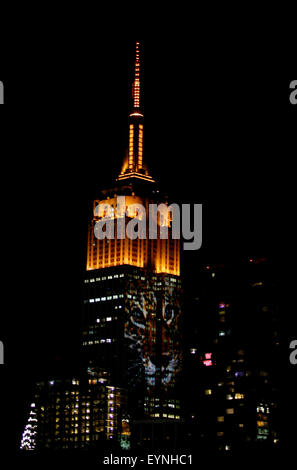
(152, 333)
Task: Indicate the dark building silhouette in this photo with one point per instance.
(233, 345)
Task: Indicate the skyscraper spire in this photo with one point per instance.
(136, 85)
(133, 164)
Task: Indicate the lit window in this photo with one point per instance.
(230, 411)
(257, 284)
(208, 392)
(239, 396)
(207, 363)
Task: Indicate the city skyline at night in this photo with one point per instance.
(131, 337)
(135, 344)
(132, 343)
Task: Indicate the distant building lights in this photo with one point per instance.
(207, 363)
(207, 360)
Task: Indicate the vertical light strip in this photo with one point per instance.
(131, 147)
(136, 86)
(140, 148)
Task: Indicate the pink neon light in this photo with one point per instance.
(207, 363)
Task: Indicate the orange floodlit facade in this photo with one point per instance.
(160, 255)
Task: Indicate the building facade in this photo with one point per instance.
(131, 324)
(234, 347)
(76, 413)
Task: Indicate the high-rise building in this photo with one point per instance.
(233, 344)
(76, 413)
(127, 391)
(132, 300)
(131, 325)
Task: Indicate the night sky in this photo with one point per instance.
(218, 131)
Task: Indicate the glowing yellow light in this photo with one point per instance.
(140, 147)
(135, 175)
(136, 114)
(136, 86)
(131, 147)
(164, 255)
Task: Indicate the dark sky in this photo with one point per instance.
(218, 130)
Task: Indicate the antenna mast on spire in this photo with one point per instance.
(133, 166)
(136, 85)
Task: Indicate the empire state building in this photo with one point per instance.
(131, 359)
